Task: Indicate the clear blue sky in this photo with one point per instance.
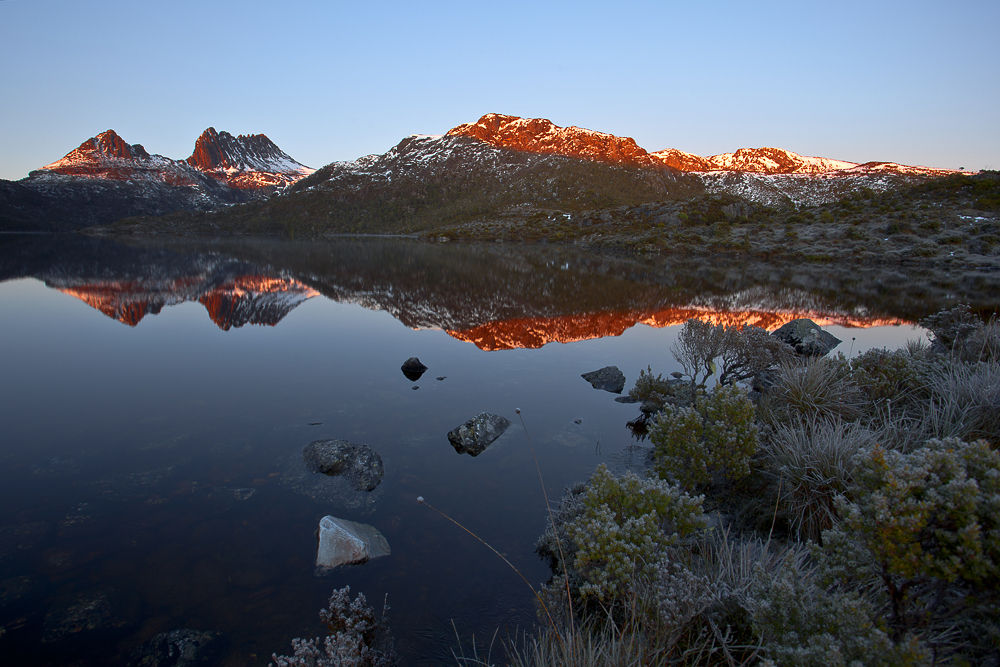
(912, 82)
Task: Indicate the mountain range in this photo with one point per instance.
(499, 165)
(105, 178)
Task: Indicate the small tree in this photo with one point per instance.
(741, 351)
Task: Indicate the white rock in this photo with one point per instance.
(343, 542)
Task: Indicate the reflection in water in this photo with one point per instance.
(496, 298)
(162, 465)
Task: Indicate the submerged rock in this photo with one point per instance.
(342, 542)
(475, 435)
(360, 464)
(608, 378)
(177, 648)
(413, 369)
(807, 338)
(93, 617)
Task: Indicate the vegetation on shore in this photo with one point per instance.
(842, 511)
(949, 221)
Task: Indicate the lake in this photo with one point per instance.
(157, 397)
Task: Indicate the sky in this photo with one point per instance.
(911, 82)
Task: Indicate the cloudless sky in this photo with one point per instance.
(912, 82)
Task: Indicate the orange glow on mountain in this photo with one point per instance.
(534, 332)
(243, 300)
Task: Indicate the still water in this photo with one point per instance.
(155, 402)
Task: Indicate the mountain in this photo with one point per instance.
(106, 178)
(246, 162)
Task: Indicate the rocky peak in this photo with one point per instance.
(100, 151)
(540, 135)
(244, 161)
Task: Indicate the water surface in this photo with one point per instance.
(156, 401)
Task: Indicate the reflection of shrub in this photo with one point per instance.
(357, 637)
(711, 440)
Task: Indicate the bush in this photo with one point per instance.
(615, 528)
(816, 388)
(923, 529)
(712, 440)
(804, 625)
(356, 637)
(814, 463)
(742, 352)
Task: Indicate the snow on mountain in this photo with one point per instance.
(245, 161)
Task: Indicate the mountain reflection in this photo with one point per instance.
(497, 298)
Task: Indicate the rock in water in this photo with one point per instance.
(475, 435)
(358, 463)
(413, 369)
(343, 542)
(807, 338)
(177, 648)
(608, 378)
(86, 618)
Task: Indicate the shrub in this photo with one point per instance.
(804, 625)
(712, 440)
(815, 388)
(926, 528)
(356, 637)
(966, 401)
(615, 528)
(814, 462)
(742, 352)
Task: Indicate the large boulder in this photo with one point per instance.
(360, 464)
(177, 648)
(342, 542)
(475, 435)
(608, 378)
(806, 337)
(413, 369)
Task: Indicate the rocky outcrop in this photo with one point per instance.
(360, 464)
(343, 542)
(609, 378)
(806, 337)
(475, 435)
(540, 135)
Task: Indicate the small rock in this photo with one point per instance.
(627, 399)
(415, 387)
(344, 542)
(475, 435)
(413, 369)
(358, 463)
(608, 378)
(441, 377)
(807, 338)
(177, 648)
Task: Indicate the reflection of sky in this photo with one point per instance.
(78, 382)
